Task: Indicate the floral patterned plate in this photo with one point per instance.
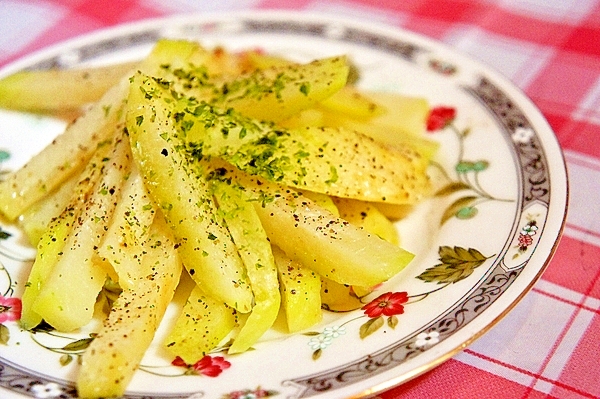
(481, 241)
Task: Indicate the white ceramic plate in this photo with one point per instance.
(506, 212)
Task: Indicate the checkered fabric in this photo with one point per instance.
(549, 346)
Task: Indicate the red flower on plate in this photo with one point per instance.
(211, 366)
(525, 240)
(10, 309)
(208, 365)
(388, 304)
(440, 117)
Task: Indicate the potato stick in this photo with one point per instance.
(64, 156)
(66, 300)
(122, 245)
(53, 240)
(111, 359)
(48, 251)
(331, 246)
(205, 245)
(203, 323)
(255, 250)
(348, 100)
(59, 90)
(277, 93)
(300, 292)
(35, 220)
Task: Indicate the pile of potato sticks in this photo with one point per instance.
(246, 171)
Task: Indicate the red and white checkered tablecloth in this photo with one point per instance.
(549, 345)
